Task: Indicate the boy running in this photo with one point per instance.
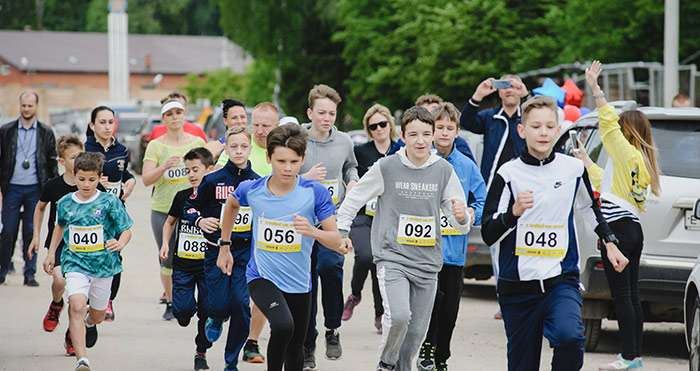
(227, 295)
(188, 257)
(68, 148)
(530, 209)
(436, 349)
(87, 221)
(412, 188)
(285, 208)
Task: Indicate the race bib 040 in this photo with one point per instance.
(446, 229)
(191, 246)
(416, 230)
(86, 238)
(542, 239)
(332, 187)
(176, 174)
(277, 236)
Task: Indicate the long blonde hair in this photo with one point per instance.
(384, 111)
(637, 130)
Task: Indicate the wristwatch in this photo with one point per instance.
(224, 243)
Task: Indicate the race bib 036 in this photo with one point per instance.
(446, 229)
(277, 236)
(542, 239)
(86, 238)
(416, 230)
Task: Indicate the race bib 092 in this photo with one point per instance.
(416, 230)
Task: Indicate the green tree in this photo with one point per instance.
(215, 85)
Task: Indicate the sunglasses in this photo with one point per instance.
(381, 124)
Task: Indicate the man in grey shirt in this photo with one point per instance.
(412, 188)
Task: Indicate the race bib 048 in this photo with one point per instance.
(542, 239)
(446, 229)
(332, 187)
(416, 230)
(277, 236)
(176, 174)
(191, 246)
(86, 238)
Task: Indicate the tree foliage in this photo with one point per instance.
(253, 87)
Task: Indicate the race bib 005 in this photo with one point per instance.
(176, 174)
(191, 246)
(277, 236)
(446, 229)
(416, 230)
(332, 187)
(86, 238)
(542, 239)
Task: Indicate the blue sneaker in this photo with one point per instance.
(212, 329)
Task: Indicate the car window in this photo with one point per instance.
(678, 143)
(130, 125)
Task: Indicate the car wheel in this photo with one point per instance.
(592, 331)
(694, 331)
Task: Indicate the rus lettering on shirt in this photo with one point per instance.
(222, 191)
(187, 228)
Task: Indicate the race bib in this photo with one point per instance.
(191, 246)
(114, 188)
(277, 236)
(446, 229)
(540, 239)
(176, 174)
(416, 230)
(371, 207)
(86, 239)
(243, 219)
(332, 187)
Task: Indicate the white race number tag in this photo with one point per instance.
(277, 236)
(243, 219)
(416, 230)
(86, 239)
(176, 174)
(446, 229)
(191, 246)
(332, 187)
(114, 188)
(371, 207)
(542, 239)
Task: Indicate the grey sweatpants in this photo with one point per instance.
(408, 303)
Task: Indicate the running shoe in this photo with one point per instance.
(251, 352)
(52, 315)
(162, 299)
(90, 336)
(378, 324)
(200, 362)
(622, 364)
(309, 360)
(31, 282)
(441, 366)
(333, 349)
(384, 367)
(82, 365)
(168, 313)
(349, 307)
(212, 329)
(109, 312)
(68, 344)
(426, 357)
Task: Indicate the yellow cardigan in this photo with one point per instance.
(628, 177)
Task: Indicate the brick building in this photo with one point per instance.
(69, 70)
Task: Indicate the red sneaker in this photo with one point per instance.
(109, 312)
(68, 344)
(52, 315)
(349, 307)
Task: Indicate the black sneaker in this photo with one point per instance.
(333, 349)
(251, 352)
(200, 362)
(426, 357)
(90, 336)
(384, 367)
(440, 366)
(309, 360)
(31, 282)
(168, 314)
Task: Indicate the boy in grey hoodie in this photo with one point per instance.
(330, 160)
(411, 187)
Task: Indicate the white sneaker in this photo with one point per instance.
(83, 365)
(622, 364)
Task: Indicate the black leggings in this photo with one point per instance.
(360, 236)
(288, 315)
(624, 286)
(445, 310)
(116, 282)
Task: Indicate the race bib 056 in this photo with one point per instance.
(86, 238)
(542, 239)
(277, 236)
(416, 230)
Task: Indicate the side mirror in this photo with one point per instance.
(696, 209)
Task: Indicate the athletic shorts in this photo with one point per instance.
(96, 289)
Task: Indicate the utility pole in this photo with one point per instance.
(670, 51)
(117, 33)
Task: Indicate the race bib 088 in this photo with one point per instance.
(191, 246)
(86, 238)
(541, 239)
(416, 230)
(277, 236)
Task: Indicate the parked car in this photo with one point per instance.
(136, 157)
(671, 234)
(692, 308)
(129, 130)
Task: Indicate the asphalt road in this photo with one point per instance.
(140, 340)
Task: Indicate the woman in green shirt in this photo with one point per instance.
(164, 169)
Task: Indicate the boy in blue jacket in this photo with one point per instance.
(436, 349)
